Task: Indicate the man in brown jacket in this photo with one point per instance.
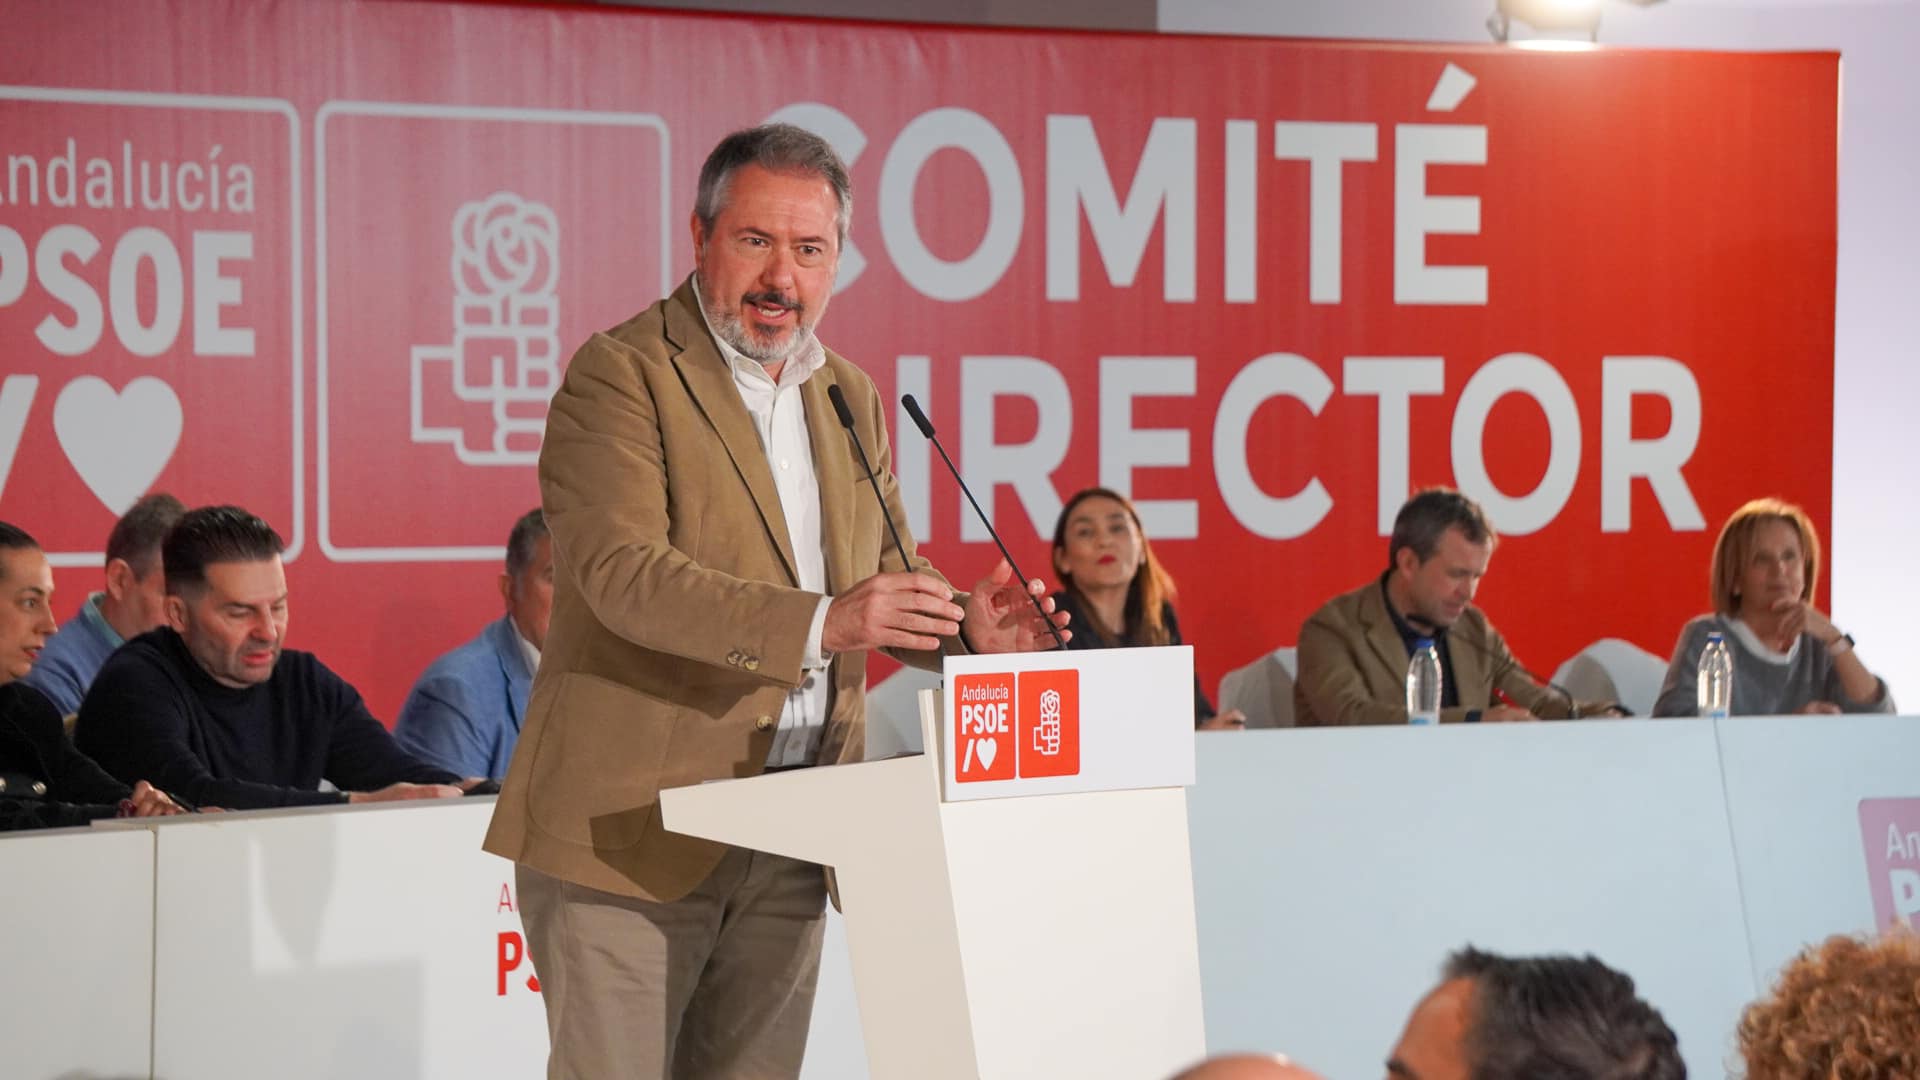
(721, 570)
(1353, 652)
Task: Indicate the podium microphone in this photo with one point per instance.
(845, 414)
(926, 428)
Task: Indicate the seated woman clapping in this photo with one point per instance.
(1115, 589)
(1788, 657)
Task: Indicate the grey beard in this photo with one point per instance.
(735, 333)
(726, 323)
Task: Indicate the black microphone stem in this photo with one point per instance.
(926, 428)
(845, 413)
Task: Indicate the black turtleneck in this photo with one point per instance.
(154, 714)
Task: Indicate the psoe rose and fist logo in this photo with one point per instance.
(448, 294)
(1016, 725)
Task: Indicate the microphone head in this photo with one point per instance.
(919, 418)
(840, 408)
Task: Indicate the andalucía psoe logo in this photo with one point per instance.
(1007, 725)
(983, 746)
(1890, 833)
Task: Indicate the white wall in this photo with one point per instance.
(1876, 383)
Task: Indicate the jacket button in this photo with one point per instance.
(751, 663)
(763, 723)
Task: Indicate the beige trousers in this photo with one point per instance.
(718, 984)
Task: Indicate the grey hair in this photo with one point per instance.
(1426, 518)
(778, 148)
(137, 536)
(526, 533)
(1561, 1018)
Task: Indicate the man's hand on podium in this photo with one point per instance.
(901, 610)
(1001, 617)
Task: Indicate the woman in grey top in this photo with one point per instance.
(1787, 655)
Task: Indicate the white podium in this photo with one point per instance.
(1018, 902)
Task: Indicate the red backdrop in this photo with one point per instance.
(326, 260)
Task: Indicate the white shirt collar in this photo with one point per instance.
(527, 648)
(750, 372)
(1752, 643)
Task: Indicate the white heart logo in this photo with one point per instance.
(986, 749)
(118, 442)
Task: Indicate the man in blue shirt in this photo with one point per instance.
(464, 714)
(133, 602)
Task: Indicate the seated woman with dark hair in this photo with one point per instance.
(1787, 655)
(48, 783)
(1115, 589)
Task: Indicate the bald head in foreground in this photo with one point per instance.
(1248, 1067)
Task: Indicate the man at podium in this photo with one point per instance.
(722, 566)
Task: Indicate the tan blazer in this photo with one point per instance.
(678, 624)
(1353, 667)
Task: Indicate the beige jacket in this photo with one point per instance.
(1353, 667)
(678, 624)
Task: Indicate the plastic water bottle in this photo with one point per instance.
(1714, 688)
(1424, 683)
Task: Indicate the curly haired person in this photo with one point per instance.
(1846, 1009)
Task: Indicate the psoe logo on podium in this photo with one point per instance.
(1009, 725)
(1047, 720)
(1017, 724)
(984, 746)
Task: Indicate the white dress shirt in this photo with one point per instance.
(781, 419)
(527, 650)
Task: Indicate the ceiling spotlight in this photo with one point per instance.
(1551, 18)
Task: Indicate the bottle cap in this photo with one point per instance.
(1423, 643)
(1715, 635)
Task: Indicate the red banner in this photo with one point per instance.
(328, 261)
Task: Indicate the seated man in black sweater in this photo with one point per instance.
(211, 708)
(44, 781)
